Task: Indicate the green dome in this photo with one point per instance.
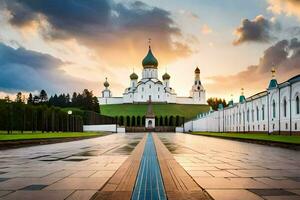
(150, 61)
(134, 76)
(166, 76)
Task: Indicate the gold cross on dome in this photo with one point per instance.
(242, 89)
(273, 72)
(149, 41)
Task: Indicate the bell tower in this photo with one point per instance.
(197, 91)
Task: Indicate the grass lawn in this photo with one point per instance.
(255, 136)
(39, 135)
(184, 110)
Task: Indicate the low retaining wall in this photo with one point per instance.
(103, 128)
(156, 129)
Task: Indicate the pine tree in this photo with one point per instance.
(19, 97)
(30, 99)
(43, 96)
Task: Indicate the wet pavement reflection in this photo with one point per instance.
(231, 169)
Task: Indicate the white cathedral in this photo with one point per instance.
(150, 87)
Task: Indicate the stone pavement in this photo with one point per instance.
(227, 170)
(72, 170)
(232, 170)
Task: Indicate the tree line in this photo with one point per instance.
(17, 116)
(84, 101)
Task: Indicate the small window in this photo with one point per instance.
(142, 89)
(142, 96)
(158, 88)
(253, 128)
(297, 105)
(248, 115)
(263, 112)
(273, 126)
(158, 96)
(264, 127)
(284, 107)
(274, 109)
(295, 126)
(286, 126)
(258, 127)
(257, 114)
(150, 86)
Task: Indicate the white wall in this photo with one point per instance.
(110, 100)
(261, 117)
(103, 127)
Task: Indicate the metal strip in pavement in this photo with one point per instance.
(149, 184)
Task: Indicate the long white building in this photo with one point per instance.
(275, 110)
(149, 86)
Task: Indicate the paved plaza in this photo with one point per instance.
(232, 170)
(226, 169)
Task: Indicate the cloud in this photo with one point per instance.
(206, 29)
(288, 7)
(111, 29)
(25, 70)
(284, 55)
(257, 30)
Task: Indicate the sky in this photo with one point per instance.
(66, 46)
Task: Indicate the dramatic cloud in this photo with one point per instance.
(288, 7)
(116, 31)
(284, 56)
(24, 70)
(257, 30)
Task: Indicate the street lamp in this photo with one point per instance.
(69, 114)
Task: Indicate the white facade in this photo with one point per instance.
(149, 86)
(275, 110)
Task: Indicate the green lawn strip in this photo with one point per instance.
(184, 110)
(255, 136)
(31, 136)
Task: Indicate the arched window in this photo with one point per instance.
(284, 107)
(297, 105)
(263, 112)
(252, 115)
(257, 113)
(248, 115)
(274, 109)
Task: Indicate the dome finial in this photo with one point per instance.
(273, 71)
(149, 43)
(242, 91)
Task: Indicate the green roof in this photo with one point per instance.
(273, 84)
(242, 98)
(150, 61)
